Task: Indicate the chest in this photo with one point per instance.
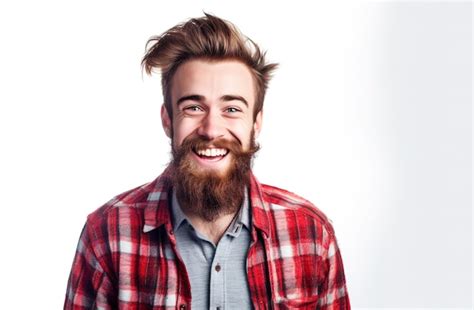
(276, 276)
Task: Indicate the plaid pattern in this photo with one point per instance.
(126, 257)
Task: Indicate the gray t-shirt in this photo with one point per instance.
(218, 274)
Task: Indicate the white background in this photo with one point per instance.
(369, 117)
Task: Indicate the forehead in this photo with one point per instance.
(213, 79)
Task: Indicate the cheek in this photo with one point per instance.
(244, 133)
(181, 130)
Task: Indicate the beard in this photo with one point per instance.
(209, 193)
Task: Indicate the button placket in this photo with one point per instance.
(217, 287)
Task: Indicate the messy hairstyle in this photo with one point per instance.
(209, 38)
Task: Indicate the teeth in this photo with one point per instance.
(212, 152)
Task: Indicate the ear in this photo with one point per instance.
(166, 121)
(257, 125)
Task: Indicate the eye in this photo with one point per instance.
(232, 110)
(193, 109)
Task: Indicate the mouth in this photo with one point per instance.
(211, 153)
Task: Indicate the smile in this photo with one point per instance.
(211, 152)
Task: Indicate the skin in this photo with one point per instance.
(212, 99)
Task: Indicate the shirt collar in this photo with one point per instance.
(244, 213)
(242, 217)
(177, 213)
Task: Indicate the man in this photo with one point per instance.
(206, 234)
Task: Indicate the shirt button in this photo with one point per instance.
(218, 268)
(182, 307)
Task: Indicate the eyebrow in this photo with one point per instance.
(190, 97)
(201, 98)
(234, 97)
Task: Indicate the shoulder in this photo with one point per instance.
(287, 205)
(128, 206)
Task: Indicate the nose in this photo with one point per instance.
(211, 126)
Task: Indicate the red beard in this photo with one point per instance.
(209, 193)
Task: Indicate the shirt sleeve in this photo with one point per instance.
(333, 293)
(88, 287)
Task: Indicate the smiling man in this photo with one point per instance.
(206, 234)
(212, 129)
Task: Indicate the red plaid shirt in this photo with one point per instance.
(127, 258)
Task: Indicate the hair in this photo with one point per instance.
(210, 38)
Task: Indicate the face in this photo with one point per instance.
(212, 101)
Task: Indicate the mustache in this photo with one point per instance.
(194, 143)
